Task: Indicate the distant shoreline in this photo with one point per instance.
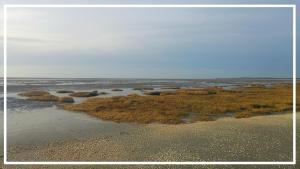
(138, 78)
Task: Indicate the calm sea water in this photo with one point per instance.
(21, 84)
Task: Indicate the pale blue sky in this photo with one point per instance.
(149, 43)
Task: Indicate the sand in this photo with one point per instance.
(262, 138)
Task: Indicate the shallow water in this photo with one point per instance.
(34, 122)
(48, 124)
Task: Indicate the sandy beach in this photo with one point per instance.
(262, 138)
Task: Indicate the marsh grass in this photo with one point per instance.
(34, 93)
(45, 97)
(84, 94)
(207, 103)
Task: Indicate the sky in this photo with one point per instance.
(149, 42)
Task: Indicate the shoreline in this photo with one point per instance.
(252, 138)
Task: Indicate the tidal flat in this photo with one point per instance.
(210, 121)
(177, 106)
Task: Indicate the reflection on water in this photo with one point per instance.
(47, 124)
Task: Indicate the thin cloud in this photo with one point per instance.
(25, 39)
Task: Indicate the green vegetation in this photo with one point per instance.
(172, 107)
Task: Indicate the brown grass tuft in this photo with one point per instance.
(243, 115)
(34, 93)
(47, 97)
(85, 94)
(207, 103)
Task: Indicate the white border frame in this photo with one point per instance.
(292, 6)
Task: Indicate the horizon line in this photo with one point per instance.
(245, 77)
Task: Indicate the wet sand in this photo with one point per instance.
(263, 138)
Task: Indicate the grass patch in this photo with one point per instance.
(207, 103)
(116, 90)
(85, 94)
(34, 93)
(65, 91)
(45, 97)
(66, 100)
(243, 115)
